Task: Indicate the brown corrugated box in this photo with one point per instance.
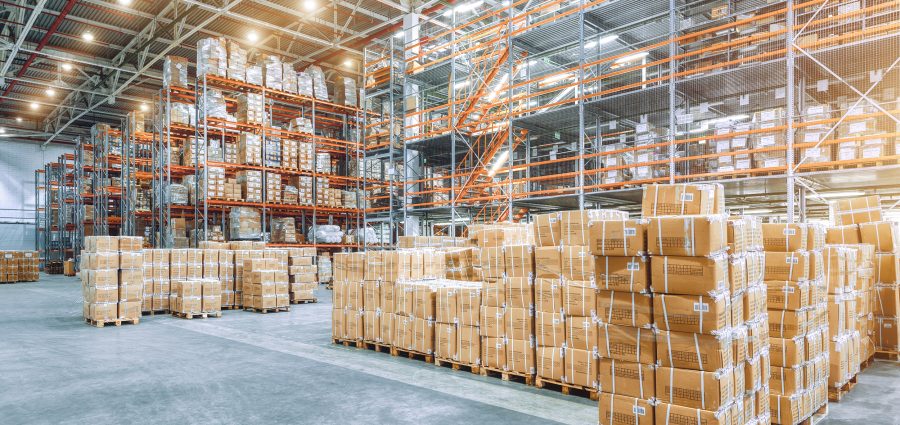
(492, 261)
(680, 349)
(550, 363)
(885, 269)
(468, 306)
(577, 263)
(445, 306)
(548, 295)
(689, 275)
(683, 199)
(693, 388)
(579, 298)
(372, 326)
(371, 295)
(626, 343)
(884, 235)
(667, 414)
(547, 230)
(520, 356)
(787, 295)
(519, 260)
(691, 313)
(388, 324)
(693, 236)
(787, 353)
(493, 352)
(787, 323)
(445, 339)
(848, 234)
(519, 293)
(737, 274)
(857, 210)
(494, 293)
(550, 329)
(784, 237)
(887, 300)
(580, 368)
(547, 262)
(581, 333)
(627, 378)
(623, 238)
(630, 274)
(616, 409)
(468, 345)
(492, 322)
(793, 266)
(625, 308)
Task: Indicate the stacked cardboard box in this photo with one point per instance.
(457, 317)
(19, 266)
(414, 316)
(156, 280)
(196, 297)
(302, 273)
(795, 277)
(251, 108)
(324, 268)
(249, 149)
(28, 266)
(227, 277)
(112, 279)
(273, 188)
(347, 312)
(251, 185)
(383, 270)
(265, 283)
(884, 236)
(284, 230)
(692, 305)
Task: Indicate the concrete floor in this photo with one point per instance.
(254, 368)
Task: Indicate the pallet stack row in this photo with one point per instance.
(19, 266)
(798, 320)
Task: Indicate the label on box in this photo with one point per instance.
(701, 307)
(742, 164)
(767, 140)
(630, 231)
(687, 197)
(788, 289)
(857, 127)
(769, 163)
(638, 410)
(739, 142)
(723, 146)
(789, 232)
(791, 260)
(633, 266)
(871, 152)
(811, 137)
(822, 85)
(846, 154)
(644, 157)
(813, 152)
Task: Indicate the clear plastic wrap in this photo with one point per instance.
(290, 195)
(325, 233)
(289, 78)
(284, 230)
(363, 236)
(320, 89)
(212, 57)
(237, 61)
(345, 92)
(304, 84)
(215, 104)
(175, 72)
(177, 194)
(251, 108)
(273, 72)
(244, 223)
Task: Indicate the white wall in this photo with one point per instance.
(18, 160)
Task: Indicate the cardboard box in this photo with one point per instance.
(622, 238)
(618, 409)
(548, 295)
(446, 308)
(848, 234)
(577, 263)
(787, 352)
(857, 210)
(666, 413)
(784, 237)
(681, 350)
(550, 363)
(468, 345)
(627, 378)
(547, 262)
(689, 275)
(884, 235)
(580, 368)
(690, 313)
(787, 323)
(519, 293)
(693, 236)
(682, 199)
(626, 343)
(694, 388)
(518, 323)
(492, 261)
(787, 295)
(493, 353)
(547, 229)
(468, 306)
(579, 298)
(520, 356)
(492, 322)
(887, 300)
(885, 269)
(550, 329)
(445, 339)
(625, 308)
(791, 266)
(887, 333)
(581, 333)
(494, 293)
(630, 274)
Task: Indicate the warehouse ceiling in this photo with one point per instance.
(67, 64)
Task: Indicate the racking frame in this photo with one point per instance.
(603, 88)
(280, 107)
(55, 229)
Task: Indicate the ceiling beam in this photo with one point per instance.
(23, 34)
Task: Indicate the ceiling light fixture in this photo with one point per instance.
(87, 36)
(34, 105)
(125, 2)
(18, 119)
(144, 107)
(67, 67)
(630, 58)
(310, 5)
(845, 194)
(252, 36)
(50, 92)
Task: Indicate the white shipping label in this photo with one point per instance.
(739, 142)
(770, 163)
(788, 289)
(816, 109)
(813, 152)
(742, 164)
(613, 124)
(630, 231)
(701, 307)
(723, 146)
(766, 125)
(822, 85)
(811, 137)
(641, 128)
(633, 266)
(744, 100)
(871, 152)
(767, 140)
(845, 154)
(638, 410)
(767, 115)
(644, 157)
(857, 127)
(789, 232)
(687, 197)
(791, 260)
(779, 93)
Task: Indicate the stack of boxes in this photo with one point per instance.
(273, 188)
(227, 278)
(19, 266)
(302, 273)
(249, 150)
(796, 282)
(156, 280)
(112, 279)
(251, 185)
(263, 289)
(196, 298)
(692, 304)
(414, 317)
(347, 311)
(768, 136)
(457, 319)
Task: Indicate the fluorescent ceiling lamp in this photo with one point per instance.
(601, 41)
(87, 36)
(310, 5)
(468, 7)
(50, 92)
(18, 119)
(758, 211)
(461, 84)
(556, 78)
(399, 34)
(630, 58)
(67, 67)
(737, 117)
(2, 130)
(252, 36)
(144, 107)
(845, 194)
(34, 105)
(498, 162)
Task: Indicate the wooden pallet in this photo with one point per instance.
(118, 322)
(232, 307)
(348, 342)
(887, 355)
(507, 375)
(154, 312)
(865, 364)
(197, 315)
(817, 417)
(455, 365)
(836, 394)
(379, 347)
(414, 355)
(312, 301)
(567, 389)
(267, 310)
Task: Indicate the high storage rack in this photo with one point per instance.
(336, 131)
(55, 229)
(560, 104)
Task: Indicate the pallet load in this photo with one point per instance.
(21, 266)
(798, 319)
(265, 285)
(156, 267)
(227, 278)
(414, 319)
(692, 304)
(29, 266)
(457, 320)
(347, 310)
(112, 280)
(302, 274)
(196, 298)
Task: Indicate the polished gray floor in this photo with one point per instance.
(252, 368)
